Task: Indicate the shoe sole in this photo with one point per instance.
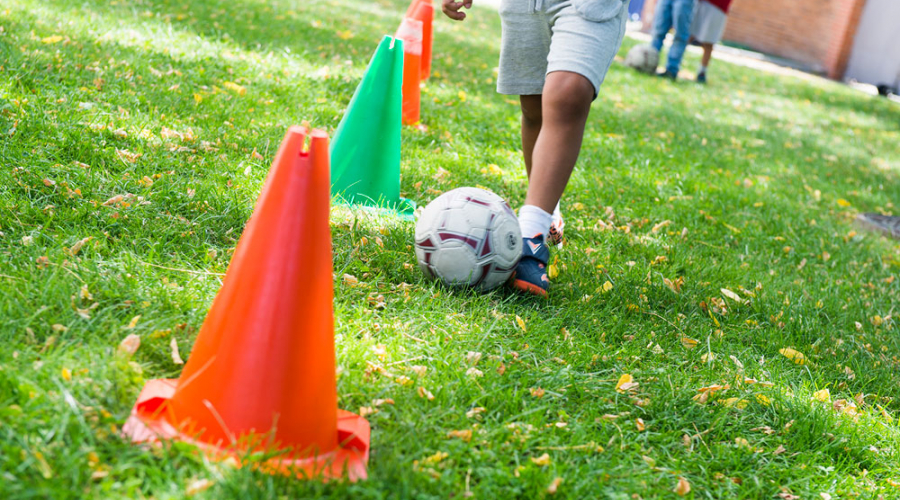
(527, 287)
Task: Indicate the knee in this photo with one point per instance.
(569, 96)
(531, 113)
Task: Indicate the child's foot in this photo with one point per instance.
(531, 273)
(555, 236)
(701, 77)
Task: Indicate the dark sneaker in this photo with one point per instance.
(887, 224)
(701, 78)
(555, 236)
(531, 273)
(668, 74)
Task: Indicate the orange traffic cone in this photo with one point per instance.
(411, 10)
(423, 10)
(410, 31)
(261, 376)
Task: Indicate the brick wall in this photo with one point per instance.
(817, 33)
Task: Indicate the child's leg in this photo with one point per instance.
(531, 126)
(707, 54)
(565, 106)
(582, 47)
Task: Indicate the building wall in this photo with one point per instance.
(817, 33)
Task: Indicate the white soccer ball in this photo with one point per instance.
(643, 58)
(468, 237)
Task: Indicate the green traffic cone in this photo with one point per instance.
(365, 152)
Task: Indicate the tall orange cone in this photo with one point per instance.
(410, 31)
(261, 376)
(423, 10)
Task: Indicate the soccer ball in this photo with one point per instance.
(643, 58)
(468, 237)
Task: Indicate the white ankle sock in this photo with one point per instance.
(557, 213)
(533, 220)
(702, 70)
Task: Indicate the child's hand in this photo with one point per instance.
(451, 8)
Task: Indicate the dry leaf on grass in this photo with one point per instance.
(176, 358)
(554, 485)
(733, 296)
(793, 355)
(683, 487)
(465, 435)
(626, 383)
(474, 412)
(196, 486)
(689, 343)
(133, 323)
(543, 460)
(823, 395)
(129, 345)
(659, 226)
(521, 323)
(74, 249)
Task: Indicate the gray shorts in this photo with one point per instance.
(543, 36)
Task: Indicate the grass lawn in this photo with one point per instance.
(748, 185)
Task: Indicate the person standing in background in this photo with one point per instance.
(707, 29)
(669, 14)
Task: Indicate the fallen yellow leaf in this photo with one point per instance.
(176, 358)
(626, 383)
(554, 485)
(129, 344)
(133, 323)
(733, 296)
(197, 486)
(521, 323)
(689, 343)
(74, 249)
(793, 355)
(237, 89)
(543, 460)
(465, 435)
(738, 403)
(823, 395)
(683, 487)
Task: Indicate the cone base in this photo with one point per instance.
(147, 424)
(405, 209)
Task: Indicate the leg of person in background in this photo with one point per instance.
(532, 119)
(704, 62)
(682, 15)
(662, 22)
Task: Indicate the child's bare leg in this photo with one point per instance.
(707, 54)
(531, 126)
(566, 102)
